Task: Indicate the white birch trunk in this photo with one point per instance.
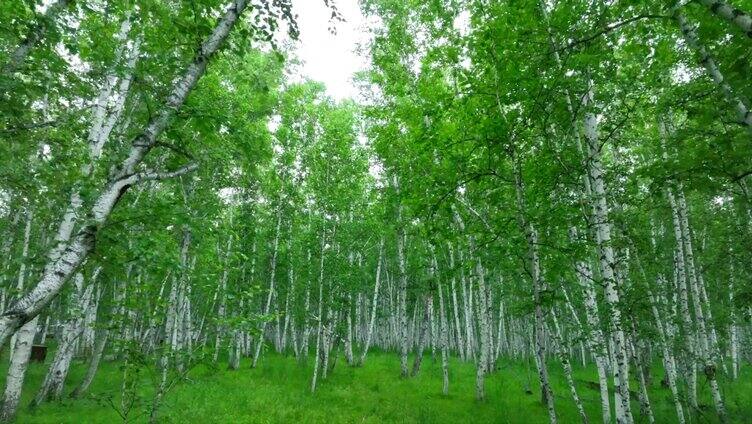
(319, 318)
(222, 294)
(54, 381)
(19, 362)
(683, 295)
(91, 370)
(732, 14)
(607, 261)
(19, 54)
(443, 335)
(267, 306)
(455, 307)
(706, 350)
(75, 251)
(744, 115)
(374, 304)
(402, 292)
(564, 358)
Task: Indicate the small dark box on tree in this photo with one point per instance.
(38, 353)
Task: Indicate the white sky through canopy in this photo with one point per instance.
(330, 58)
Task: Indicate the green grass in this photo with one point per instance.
(278, 391)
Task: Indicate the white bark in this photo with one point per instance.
(289, 322)
(374, 304)
(54, 381)
(683, 295)
(19, 54)
(735, 16)
(607, 261)
(402, 291)
(319, 318)
(455, 307)
(564, 358)
(443, 335)
(74, 252)
(669, 362)
(482, 365)
(91, 371)
(744, 115)
(706, 349)
(733, 328)
(267, 307)
(19, 361)
(222, 295)
(423, 334)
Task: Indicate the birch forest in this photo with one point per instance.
(530, 211)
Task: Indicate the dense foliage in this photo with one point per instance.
(564, 182)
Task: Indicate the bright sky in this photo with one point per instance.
(330, 58)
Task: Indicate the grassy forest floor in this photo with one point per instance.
(278, 391)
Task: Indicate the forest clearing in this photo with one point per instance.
(397, 211)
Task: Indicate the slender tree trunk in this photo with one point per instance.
(531, 236)
(91, 371)
(443, 333)
(402, 292)
(669, 363)
(267, 307)
(222, 294)
(607, 259)
(735, 16)
(705, 351)
(348, 331)
(564, 358)
(455, 307)
(374, 304)
(744, 115)
(34, 35)
(646, 409)
(686, 318)
(320, 317)
(288, 314)
(733, 328)
(424, 328)
(54, 381)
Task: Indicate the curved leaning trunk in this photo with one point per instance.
(32, 38)
(744, 115)
(91, 371)
(735, 16)
(74, 252)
